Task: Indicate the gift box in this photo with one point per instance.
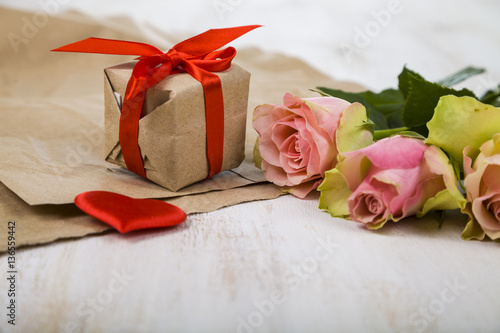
(174, 117)
(172, 129)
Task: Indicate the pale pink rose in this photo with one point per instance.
(482, 182)
(391, 179)
(299, 140)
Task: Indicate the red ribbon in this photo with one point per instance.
(199, 56)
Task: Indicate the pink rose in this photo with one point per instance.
(299, 140)
(391, 179)
(482, 183)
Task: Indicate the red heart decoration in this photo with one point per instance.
(126, 214)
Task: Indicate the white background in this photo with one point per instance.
(435, 38)
(222, 268)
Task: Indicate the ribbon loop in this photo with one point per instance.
(199, 56)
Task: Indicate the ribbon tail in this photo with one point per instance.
(110, 46)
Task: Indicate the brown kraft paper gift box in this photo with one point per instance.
(172, 128)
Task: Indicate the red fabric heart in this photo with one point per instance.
(126, 214)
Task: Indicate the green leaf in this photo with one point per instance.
(404, 82)
(422, 130)
(423, 97)
(348, 96)
(389, 103)
(381, 134)
(323, 94)
(412, 105)
(384, 108)
(491, 97)
(378, 118)
(460, 76)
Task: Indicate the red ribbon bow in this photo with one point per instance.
(199, 56)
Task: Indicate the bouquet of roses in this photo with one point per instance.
(378, 157)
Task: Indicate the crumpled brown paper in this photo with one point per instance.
(51, 128)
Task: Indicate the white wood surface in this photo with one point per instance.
(221, 271)
(324, 274)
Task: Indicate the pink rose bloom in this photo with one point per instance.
(482, 183)
(391, 179)
(299, 140)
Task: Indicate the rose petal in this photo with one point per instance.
(353, 132)
(323, 150)
(436, 161)
(262, 118)
(472, 230)
(291, 151)
(427, 189)
(485, 218)
(282, 130)
(458, 122)
(327, 111)
(367, 207)
(334, 194)
(403, 183)
(469, 154)
(268, 149)
(298, 177)
(291, 100)
(354, 168)
(275, 174)
(305, 151)
(321, 153)
(491, 179)
(493, 205)
(472, 182)
(302, 190)
(396, 152)
(288, 160)
(368, 192)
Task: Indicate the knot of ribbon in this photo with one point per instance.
(199, 56)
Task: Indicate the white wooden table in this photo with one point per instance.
(278, 265)
(282, 265)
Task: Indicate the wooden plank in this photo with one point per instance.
(277, 265)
